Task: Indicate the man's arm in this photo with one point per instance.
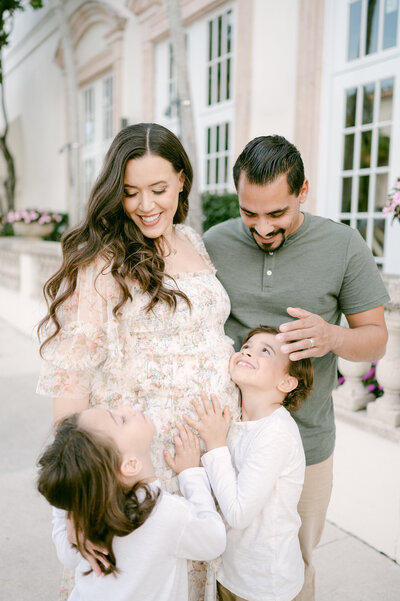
(311, 336)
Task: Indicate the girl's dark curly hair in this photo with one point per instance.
(302, 370)
(80, 473)
(107, 230)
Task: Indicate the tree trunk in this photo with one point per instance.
(73, 110)
(9, 183)
(185, 111)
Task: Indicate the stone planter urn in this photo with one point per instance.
(33, 230)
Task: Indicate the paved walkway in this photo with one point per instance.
(347, 569)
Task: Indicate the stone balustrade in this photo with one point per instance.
(25, 264)
(352, 395)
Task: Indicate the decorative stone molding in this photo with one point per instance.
(87, 15)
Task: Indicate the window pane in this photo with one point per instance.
(371, 42)
(365, 150)
(226, 136)
(226, 173)
(89, 116)
(228, 79)
(378, 237)
(219, 35)
(348, 152)
(383, 146)
(381, 190)
(363, 194)
(351, 103)
(208, 172)
(390, 23)
(345, 221)
(210, 40)
(368, 103)
(346, 195)
(219, 83)
(216, 171)
(217, 139)
(208, 140)
(229, 31)
(353, 48)
(209, 85)
(362, 227)
(386, 103)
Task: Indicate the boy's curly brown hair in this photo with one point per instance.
(302, 370)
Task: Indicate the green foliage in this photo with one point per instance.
(218, 207)
(7, 10)
(59, 229)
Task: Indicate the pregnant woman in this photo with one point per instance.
(136, 314)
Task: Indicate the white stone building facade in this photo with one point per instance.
(323, 73)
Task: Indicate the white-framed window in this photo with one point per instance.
(217, 157)
(360, 121)
(97, 129)
(219, 62)
(210, 55)
(372, 27)
(367, 133)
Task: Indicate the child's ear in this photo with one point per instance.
(131, 467)
(287, 384)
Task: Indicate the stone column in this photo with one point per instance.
(352, 395)
(387, 407)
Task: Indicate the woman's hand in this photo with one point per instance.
(187, 450)
(213, 424)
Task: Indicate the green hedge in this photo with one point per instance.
(218, 207)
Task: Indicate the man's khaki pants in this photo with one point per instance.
(312, 508)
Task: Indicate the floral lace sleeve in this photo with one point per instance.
(72, 355)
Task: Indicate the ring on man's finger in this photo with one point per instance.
(312, 342)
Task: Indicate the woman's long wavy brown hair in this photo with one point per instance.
(80, 473)
(107, 230)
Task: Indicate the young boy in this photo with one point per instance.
(257, 474)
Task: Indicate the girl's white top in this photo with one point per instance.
(257, 480)
(152, 560)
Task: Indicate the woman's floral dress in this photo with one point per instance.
(159, 360)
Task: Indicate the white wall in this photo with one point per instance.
(274, 65)
(366, 489)
(35, 100)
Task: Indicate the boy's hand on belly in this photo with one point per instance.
(213, 423)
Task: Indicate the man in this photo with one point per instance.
(277, 261)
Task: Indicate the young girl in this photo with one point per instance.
(99, 475)
(257, 476)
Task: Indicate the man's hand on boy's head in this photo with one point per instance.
(213, 424)
(187, 450)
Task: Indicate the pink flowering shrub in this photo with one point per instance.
(393, 203)
(32, 216)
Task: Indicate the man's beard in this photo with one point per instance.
(269, 246)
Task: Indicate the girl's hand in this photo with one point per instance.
(95, 555)
(187, 450)
(213, 424)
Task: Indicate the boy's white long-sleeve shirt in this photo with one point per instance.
(152, 560)
(257, 480)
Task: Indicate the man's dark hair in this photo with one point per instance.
(265, 158)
